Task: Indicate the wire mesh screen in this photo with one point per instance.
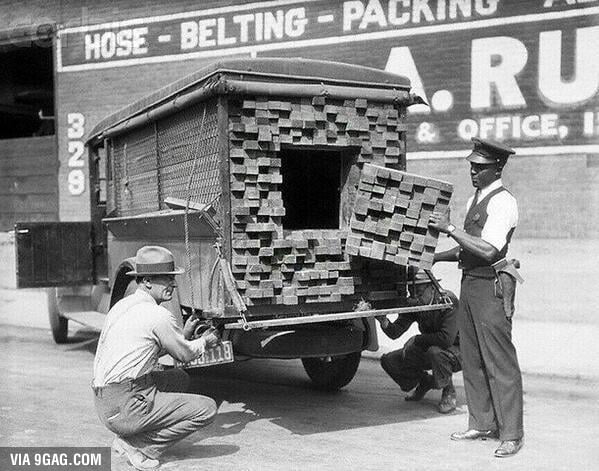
(111, 192)
(154, 162)
(188, 148)
(135, 172)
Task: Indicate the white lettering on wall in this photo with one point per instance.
(123, 43)
(373, 14)
(495, 64)
(550, 3)
(464, 6)
(421, 8)
(362, 15)
(264, 26)
(295, 22)
(75, 131)
(189, 34)
(512, 127)
(244, 26)
(274, 25)
(352, 11)
(401, 62)
(394, 18)
(590, 123)
(585, 75)
(486, 7)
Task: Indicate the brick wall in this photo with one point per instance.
(557, 195)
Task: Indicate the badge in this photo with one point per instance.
(476, 217)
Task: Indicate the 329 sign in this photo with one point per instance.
(76, 148)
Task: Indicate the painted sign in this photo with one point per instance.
(283, 24)
(524, 72)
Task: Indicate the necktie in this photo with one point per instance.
(475, 199)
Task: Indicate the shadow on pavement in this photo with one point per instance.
(279, 391)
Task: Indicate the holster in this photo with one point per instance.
(506, 276)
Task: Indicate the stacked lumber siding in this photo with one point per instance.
(305, 266)
(391, 214)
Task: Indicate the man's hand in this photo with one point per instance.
(382, 320)
(411, 301)
(211, 337)
(411, 343)
(190, 327)
(440, 221)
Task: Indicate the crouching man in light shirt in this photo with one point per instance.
(148, 410)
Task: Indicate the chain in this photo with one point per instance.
(185, 219)
(219, 263)
(244, 322)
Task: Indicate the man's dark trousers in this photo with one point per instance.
(492, 377)
(407, 366)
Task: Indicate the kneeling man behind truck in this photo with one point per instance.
(436, 348)
(148, 410)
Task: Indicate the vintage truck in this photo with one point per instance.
(248, 171)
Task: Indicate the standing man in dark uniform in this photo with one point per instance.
(492, 377)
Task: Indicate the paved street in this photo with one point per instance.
(271, 419)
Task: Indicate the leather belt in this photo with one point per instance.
(125, 385)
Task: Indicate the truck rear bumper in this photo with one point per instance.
(336, 316)
(299, 342)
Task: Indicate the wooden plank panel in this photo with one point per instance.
(41, 203)
(8, 220)
(27, 185)
(37, 165)
(28, 180)
(53, 254)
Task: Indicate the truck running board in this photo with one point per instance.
(337, 316)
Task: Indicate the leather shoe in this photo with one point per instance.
(135, 457)
(448, 401)
(425, 385)
(509, 448)
(473, 434)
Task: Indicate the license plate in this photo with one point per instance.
(222, 353)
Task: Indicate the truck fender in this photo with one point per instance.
(371, 340)
(121, 280)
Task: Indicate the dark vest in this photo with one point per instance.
(473, 224)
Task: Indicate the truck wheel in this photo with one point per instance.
(332, 373)
(58, 324)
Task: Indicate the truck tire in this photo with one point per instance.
(332, 373)
(58, 324)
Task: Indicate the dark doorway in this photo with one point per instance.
(26, 89)
(312, 182)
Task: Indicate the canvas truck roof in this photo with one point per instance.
(268, 76)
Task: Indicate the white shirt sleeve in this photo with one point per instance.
(171, 339)
(502, 216)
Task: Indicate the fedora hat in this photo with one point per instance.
(155, 260)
